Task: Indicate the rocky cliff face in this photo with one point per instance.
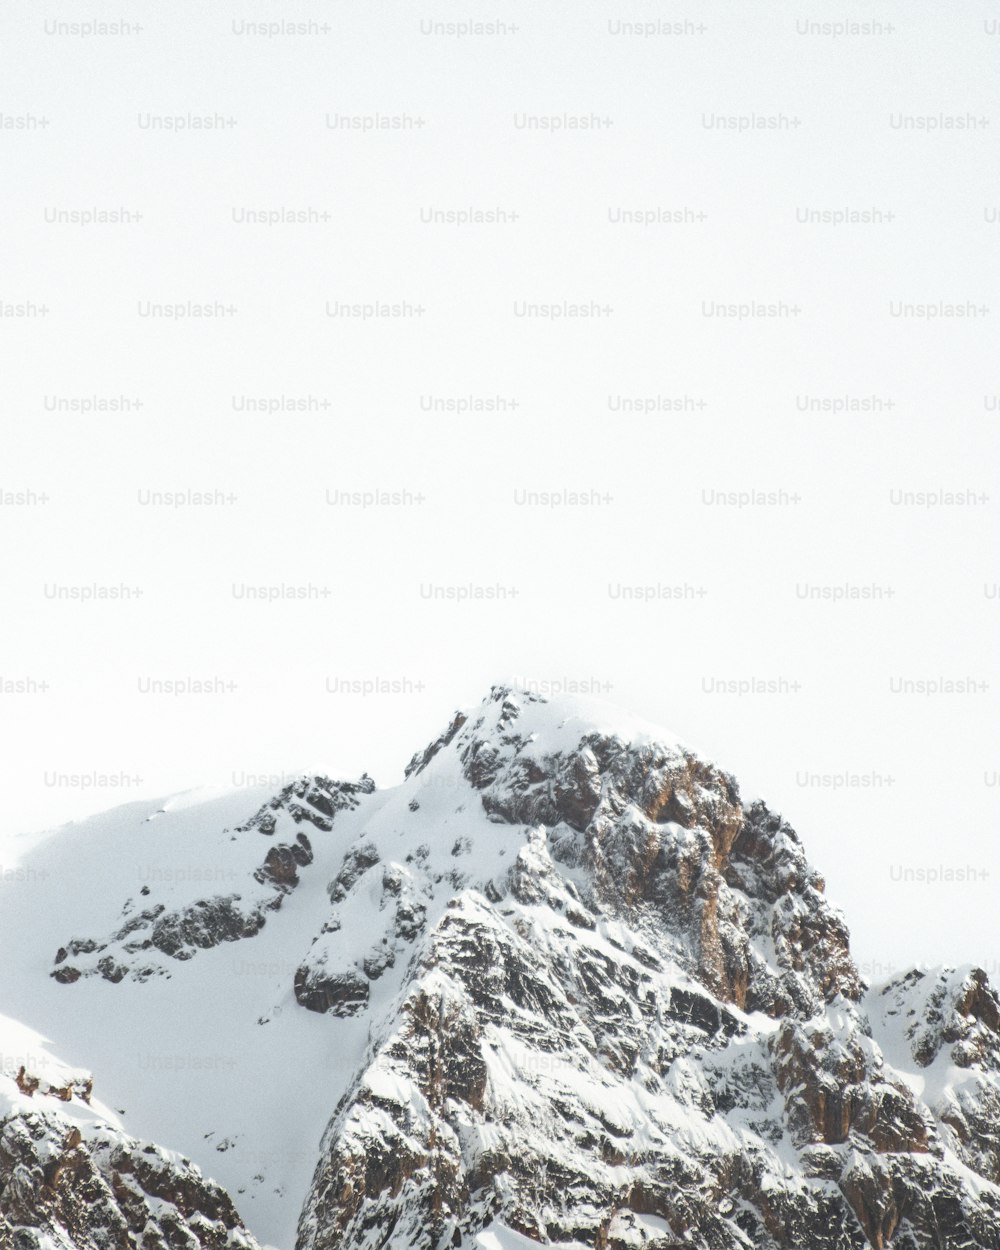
(601, 1001)
(69, 1178)
(646, 1029)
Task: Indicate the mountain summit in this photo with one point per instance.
(560, 986)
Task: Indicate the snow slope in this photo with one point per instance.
(217, 1059)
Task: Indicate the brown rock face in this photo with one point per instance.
(282, 862)
(29, 1083)
(835, 1089)
(97, 1189)
(578, 1053)
(666, 840)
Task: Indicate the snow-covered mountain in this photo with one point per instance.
(562, 985)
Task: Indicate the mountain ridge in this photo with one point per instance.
(563, 948)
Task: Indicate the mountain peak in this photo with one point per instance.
(557, 719)
(564, 984)
(659, 835)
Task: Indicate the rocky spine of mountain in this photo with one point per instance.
(608, 1005)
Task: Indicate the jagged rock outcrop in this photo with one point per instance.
(313, 800)
(81, 1183)
(663, 836)
(179, 932)
(949, 1021)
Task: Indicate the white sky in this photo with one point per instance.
(568, 622)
